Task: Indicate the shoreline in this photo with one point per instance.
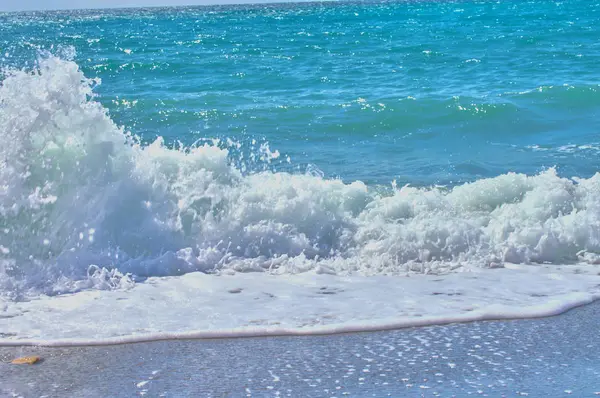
(244, 333)
(556, 356)
(200, 306)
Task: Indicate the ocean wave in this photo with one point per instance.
(84, 204)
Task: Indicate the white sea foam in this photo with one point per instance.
(199, 305)
(84, 205)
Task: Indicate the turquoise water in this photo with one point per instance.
(422, 92)
(283, 103)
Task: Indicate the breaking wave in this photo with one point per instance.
(84, 204)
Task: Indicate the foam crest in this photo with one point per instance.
(83, 204)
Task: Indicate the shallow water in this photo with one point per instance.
(553, 357)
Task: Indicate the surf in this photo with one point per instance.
(85, 204)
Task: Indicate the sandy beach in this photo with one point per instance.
(549, 357)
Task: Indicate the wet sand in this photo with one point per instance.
(549, 357)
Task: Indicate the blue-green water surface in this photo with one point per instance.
(423, 92)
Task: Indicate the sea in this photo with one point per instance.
(296, 168)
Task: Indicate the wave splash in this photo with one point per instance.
(83, 204)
